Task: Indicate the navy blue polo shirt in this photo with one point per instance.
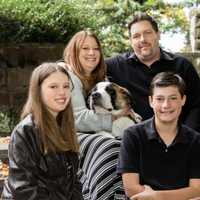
(159, 166)
(127, 71)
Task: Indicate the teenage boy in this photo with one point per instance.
(159, 158)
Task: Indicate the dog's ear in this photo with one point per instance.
(128, 96)
(88, 100)
(131, 100)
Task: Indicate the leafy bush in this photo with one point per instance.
(57, 20)
(41, 20)
(114, 16)
(8, 120)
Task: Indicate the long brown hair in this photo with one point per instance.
(71, 57)
(56, 134)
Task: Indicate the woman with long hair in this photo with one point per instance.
(84, 58)
(98, 154)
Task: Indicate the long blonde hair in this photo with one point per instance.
(56, 134)
(71, 57)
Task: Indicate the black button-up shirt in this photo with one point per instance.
(127, 71)
(160, 166)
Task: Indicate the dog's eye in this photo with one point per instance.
(110, 90)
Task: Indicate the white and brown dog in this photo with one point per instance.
(108, 97)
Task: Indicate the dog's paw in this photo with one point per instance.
(138, 118)
(120, 125)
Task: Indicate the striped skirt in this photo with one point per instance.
(98, 159)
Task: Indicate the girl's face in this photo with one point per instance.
(89, 55)
(55, 92)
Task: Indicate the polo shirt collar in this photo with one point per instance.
(163, 55)
(132, 56)
(150, 129)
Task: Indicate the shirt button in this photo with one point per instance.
(166, 150)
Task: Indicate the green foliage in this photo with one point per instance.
(40, 20)
(114, 16)
(4, 123)
(8, 120)
(58, 20)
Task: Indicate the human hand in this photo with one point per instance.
(147, 194)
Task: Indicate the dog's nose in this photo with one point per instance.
(96, 96)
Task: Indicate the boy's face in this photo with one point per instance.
(167, 104)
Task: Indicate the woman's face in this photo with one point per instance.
(89, 55)
(55, 92)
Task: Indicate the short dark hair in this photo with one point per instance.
(165, 79)
(140, 16)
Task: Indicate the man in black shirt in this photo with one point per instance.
(159, 158)
(135, 70)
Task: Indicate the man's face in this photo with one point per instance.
(145, 41)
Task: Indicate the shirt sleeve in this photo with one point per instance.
(111, 63)
(194, 171)
(129, 152)
(22, 179)
(86, 120)
(191, 111)
(77, 189)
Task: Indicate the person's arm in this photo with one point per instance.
(112, 69)
(131, 184)
(128, 162)
(187, 193)
(191, 110)
(77, 189)
(23, 171)
(86, 120)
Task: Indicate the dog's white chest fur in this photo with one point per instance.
(120, 125)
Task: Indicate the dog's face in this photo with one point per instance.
(108, 97)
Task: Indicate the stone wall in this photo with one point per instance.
(194, 57)
(16, 65)
(195, 30)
